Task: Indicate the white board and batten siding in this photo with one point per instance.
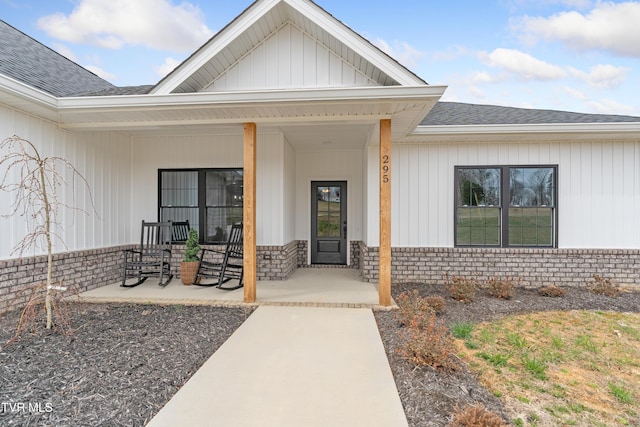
(290, 58)
(598, 190)
(103, 158)
(328, 165)
(151, 153)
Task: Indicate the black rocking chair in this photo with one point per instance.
(153, 258)
(230, 268)
(180, 231)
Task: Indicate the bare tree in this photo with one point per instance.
(35, 181)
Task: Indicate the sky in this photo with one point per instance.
(572, 55)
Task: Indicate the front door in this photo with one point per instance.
(328, 222)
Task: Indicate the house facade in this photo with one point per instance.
(330, 152)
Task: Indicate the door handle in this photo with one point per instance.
(344, 228)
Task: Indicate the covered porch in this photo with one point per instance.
(314, 287)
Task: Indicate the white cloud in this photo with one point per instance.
(578, 4)
(608, 106)
(613, 27)
(101, 73)
(521, 64)
(602, 76)
(574, 93)
(111, 24)
(402, 52)
(169, 65)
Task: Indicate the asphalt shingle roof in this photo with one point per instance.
(29, 61)
(459, 114)
(122, 90)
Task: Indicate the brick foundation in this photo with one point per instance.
(79, 270)
(536, 267)
(354, 256)
(277, 262)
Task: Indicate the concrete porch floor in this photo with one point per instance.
(318, 287)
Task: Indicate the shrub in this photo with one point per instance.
(502, 288)
(410, 305)
(476, 416)
(604, 286)
(552, 291)
(429, 343)
(436, 303)
(192, 247)
(461, 289)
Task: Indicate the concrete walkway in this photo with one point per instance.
(293, 366)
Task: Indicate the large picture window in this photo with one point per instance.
(211, 199)
(506, 206)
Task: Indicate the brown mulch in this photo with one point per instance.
(430, 397)
(126, 360)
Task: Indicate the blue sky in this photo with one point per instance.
(575, 55)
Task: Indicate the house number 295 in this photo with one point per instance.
(385, 168)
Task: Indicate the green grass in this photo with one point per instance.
(498, 360)
(461, 330)
(621, 393)
(536, 367)
(517, 341)
(560, 363)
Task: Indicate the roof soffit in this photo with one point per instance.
(263, 19)
(513, 133)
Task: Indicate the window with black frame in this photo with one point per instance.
(211, 199)
(506, 206)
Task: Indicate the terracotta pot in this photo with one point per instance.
(188, 272)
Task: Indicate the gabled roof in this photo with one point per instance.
(460, 114)
(262, 20)
(28, 61)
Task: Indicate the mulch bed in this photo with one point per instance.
(126, 360)
(430, 397)
(124, 364)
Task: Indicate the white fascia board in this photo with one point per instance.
(356, 42)
(557, 128)
(160, 101)
(28, 94)
(211, 48)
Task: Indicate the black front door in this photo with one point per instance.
(328, 222)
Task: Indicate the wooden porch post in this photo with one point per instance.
(384, 254)
(249, 212)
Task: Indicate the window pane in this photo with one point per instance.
(531, 186)
(179, 188)
(179, 197)
(181, 214)
(530, 226)
(224, 188)
(478, 187)
(219, 222)
(478, 226)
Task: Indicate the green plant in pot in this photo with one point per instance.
(189, 265)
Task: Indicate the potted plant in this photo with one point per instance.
(189, 265)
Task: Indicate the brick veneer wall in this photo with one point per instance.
(79, 270)
(303, 250)
(90, 269)
(536, 267)
(276, 262)
(354, 256)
